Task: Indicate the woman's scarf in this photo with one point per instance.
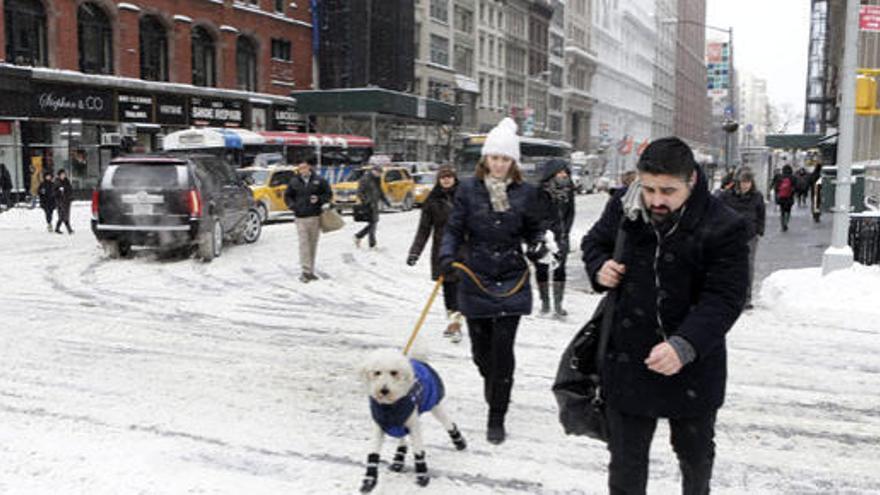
(559, 190)
(498, 193)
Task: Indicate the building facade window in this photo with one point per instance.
(417, 43)
(464, 60)
(440, 10)
(279, 6)
(246, 63)
(439, 90)
(95, 36)
(464, 19)
(556, 76)
(439, 50)
(281, 50)
(26, 32)
(557, 45)
(204, 66)
(154, 49)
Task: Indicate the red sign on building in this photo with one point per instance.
(869, 18)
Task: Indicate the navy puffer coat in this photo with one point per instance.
(492, 247)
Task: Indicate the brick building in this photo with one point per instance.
(82, 70)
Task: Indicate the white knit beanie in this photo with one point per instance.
(502, 140)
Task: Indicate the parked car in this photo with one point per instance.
(397, 184)
(173, 202)
(268, 185)
(424, 182)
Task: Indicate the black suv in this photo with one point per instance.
(172, 202)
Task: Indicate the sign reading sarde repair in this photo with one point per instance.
(216, 113)
(134, 108)
(59, 101)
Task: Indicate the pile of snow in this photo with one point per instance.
(843, 297)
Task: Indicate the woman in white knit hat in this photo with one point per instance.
(495, 212)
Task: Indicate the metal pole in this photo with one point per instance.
(840, 255)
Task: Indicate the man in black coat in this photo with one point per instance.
(681, 285)
(46, 193)
(5, 187)
(306, 195)
(63, 199)
(370, 193)
(744, 199)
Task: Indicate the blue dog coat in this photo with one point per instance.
(426, 392)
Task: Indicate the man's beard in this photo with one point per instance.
(660, 214)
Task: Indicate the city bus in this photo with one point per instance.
(532, 152)
(337, 155)
(237, 146)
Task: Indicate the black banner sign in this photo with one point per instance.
(171, 110)
(59, 101)
(134, 108)
(216, 113)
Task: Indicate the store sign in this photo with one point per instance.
(216, 113)
(134, 108)
(171, 110)
(285, 118)
(869, 18)
(58, 101)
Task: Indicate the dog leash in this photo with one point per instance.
(473, 276)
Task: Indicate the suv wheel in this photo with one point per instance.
(211, 241)
(116, 249)
(253, 226)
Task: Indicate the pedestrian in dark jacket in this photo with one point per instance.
(46, 193)
(63, 199)
(370, 193)
(748, 202)
(681, 285)
(435, 213)
(306, 195)
(5, 187)
(784, 190)
(557, 203)
(495, 213)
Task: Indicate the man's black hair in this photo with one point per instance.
(668, 156)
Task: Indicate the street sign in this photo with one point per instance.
(869, 18)
(728, 112)
(749, 128)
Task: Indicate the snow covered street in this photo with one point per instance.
(170, 376)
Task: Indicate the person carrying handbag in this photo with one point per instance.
(682, 282)
(306, 195)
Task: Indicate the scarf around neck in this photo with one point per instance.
(559, 189)
(498, 193)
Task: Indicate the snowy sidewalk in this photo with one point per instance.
(172, 376)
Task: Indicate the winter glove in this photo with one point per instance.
(412, 259)
(446, 267)
(536, 251)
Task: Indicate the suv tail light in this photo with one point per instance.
(194, 203)
(96, 202)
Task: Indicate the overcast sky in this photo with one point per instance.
(770, 40)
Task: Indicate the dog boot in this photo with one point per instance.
(457, 438)
(558, 294)
(422, 478)
(399, 459)
(544, 290)
(372, 475)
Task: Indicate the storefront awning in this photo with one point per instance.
(375, 101)
(792, 141)
(468, 84)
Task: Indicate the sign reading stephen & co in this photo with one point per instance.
(59, 101)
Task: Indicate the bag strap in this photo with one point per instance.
(608, 313)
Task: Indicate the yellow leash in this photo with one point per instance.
(473, 276)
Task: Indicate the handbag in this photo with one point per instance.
(578, 383)
(362, 213)
(331, 220)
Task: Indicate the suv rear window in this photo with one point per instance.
(146, 176)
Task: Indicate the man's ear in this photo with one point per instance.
(693, 181)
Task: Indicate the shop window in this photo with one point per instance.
(25, 32)
(246, 63)
(204, 69)
(154, 49)
(95, 36)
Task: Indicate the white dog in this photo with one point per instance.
(400, 390)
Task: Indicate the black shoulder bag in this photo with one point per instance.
(578, 384)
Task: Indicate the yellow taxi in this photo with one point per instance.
(268, 185)
(397, 184)
(424, 183)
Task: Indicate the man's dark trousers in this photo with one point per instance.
(630, 445)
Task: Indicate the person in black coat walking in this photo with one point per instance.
(557, 203)
(46, 193)
(63, 199)
(306, 195)
(495, 212)
(5, 187)
(748, 202)
(435, 214)
(680, 286)
(370, 193)
(784, 190)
